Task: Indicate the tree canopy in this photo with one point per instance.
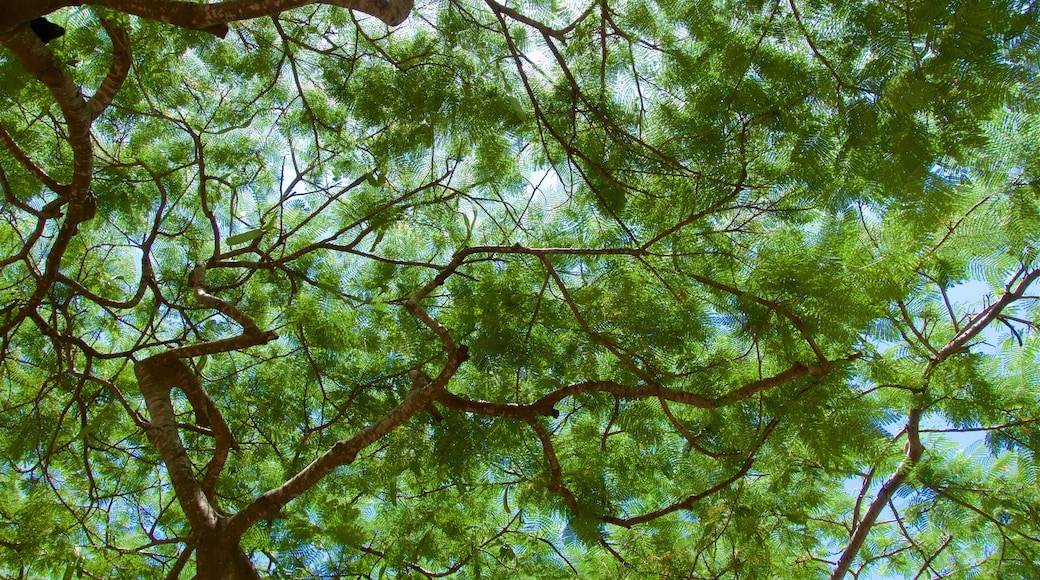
(541, 289)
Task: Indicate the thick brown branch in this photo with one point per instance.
(559, 33)
(555, 471)
(40, 62)
(212, 18)
(155, 376)
(545, 405)
(981, 320)
(31, 53)
(914, 450)
(117, 71)
(343, 452)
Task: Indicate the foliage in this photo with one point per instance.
(542, 289)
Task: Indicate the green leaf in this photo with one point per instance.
(684, 323)
(376, 177)
(244, 237)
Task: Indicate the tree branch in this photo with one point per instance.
(914, 450)
(343, 452)
(117, 71)
(211, 18)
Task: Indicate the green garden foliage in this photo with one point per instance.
(541, 289)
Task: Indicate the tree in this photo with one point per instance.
(602, 289)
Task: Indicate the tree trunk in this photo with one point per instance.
(220, 558)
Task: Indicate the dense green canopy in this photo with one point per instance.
(596, 289)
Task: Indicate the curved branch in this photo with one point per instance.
(988, 315)
(555, 471)
(157, 374)
(775, 307)
(117, 71)
(32, 168)
(914, 448)
(155, 377)
(41, 63)
(690, 500)
(343, 452)
(812, 46)
(212, 17)
(545, 405)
